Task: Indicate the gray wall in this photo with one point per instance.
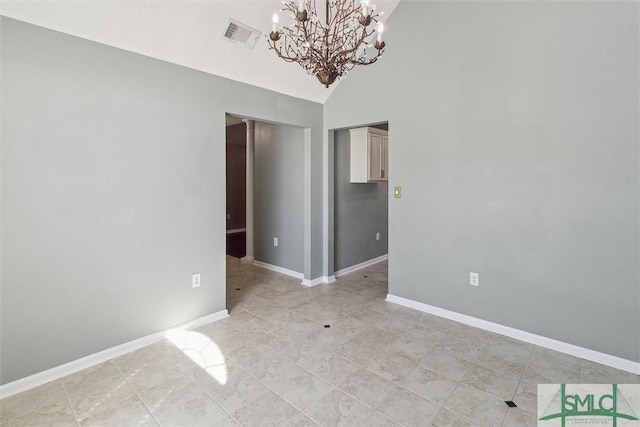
(236, 176)
(515, 140)
(278, 198)
(113, 193)
(360, 210)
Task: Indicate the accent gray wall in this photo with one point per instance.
(278, 197)
(360, 210)
(515, 141)
(113, 193)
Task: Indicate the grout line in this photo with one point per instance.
(73, 411)
(332, 385)
(338, 387)
(524, 371)
(136, 392)
(112, 404)
(581, 368)
(207, 393)
(275, 392)
(474, 422)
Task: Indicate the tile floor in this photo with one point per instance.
(273, 362)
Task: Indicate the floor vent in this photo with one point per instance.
(241, 34)
(510, 404)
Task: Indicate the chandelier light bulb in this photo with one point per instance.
(365, 7)
(300, 5)
(380, 31)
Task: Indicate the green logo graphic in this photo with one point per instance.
(612, 405)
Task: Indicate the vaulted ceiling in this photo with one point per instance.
(183, 32)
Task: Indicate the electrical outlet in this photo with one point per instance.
(378, 235)
(474, 279)
(195, 280)
(275, 241)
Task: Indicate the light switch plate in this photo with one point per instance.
(397, 192)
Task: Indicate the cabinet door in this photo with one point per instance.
(375, 157)
(385, 158)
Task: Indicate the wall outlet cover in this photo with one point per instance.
(474, 279)
(195, 280)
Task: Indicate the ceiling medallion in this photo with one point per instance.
(331, 49)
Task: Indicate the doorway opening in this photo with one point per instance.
(236, 159)
(265, 198)
(361, 198)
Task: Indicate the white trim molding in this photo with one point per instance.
(278, 269)
(361, 265)
(77, 365)
(318, 280)
(560, 346)
(305, 282)
(312, 282)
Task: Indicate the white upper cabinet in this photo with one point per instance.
(369, 155)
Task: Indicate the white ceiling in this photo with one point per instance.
(184, 32)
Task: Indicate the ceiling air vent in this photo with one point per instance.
(241, 34)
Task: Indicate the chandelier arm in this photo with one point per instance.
(285, 56)
(367, 62)
(342, 19)
(289, 54)
(356, 45)
(360, 40)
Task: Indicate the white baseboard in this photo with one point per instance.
(247, 260)
(236, 230)
(305, 282)
(312, 282)
(77, 365)
(361, 265)
(318, 280)
(562, 347)
(278, 269)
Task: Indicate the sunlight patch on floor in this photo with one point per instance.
(202, 351)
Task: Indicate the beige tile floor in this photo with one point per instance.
(273, 362)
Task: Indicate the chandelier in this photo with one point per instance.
(328, 50)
